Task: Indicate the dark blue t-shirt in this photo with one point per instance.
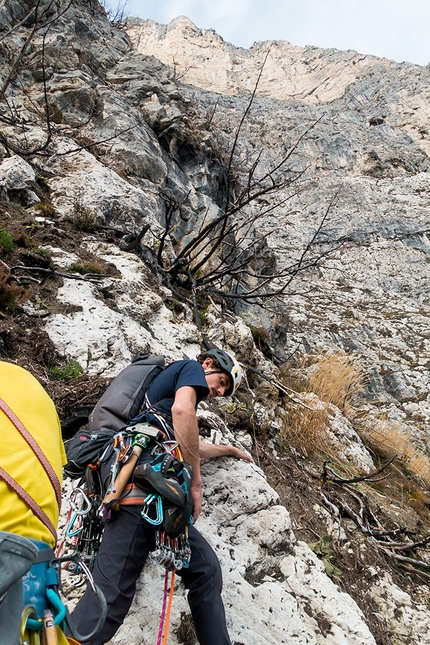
(161, 392)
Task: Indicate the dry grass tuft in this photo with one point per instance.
(11, 294)
(305, 429)
(335, 379)
(389, 439)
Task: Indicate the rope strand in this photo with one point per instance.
(169, 607)
(163, 609)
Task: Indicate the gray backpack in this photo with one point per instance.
(121, 402)
(124, 397)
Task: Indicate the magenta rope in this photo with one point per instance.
(163, 610)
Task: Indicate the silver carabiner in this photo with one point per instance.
(72, 499)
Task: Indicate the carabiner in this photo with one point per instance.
(148, 501)
(71, 531)
(72, 501)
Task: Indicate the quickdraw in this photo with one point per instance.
(79, 511)
(82, 534)
(172, 553)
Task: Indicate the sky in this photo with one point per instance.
(394, 29)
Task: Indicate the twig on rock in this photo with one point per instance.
(89, 277)
(370, 477)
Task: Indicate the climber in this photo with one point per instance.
(171, 402)
(31, 460)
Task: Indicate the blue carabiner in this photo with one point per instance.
(70, 530)
(58, 606)
(153, 499)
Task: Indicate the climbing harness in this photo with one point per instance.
(166, 505)
(172, 552)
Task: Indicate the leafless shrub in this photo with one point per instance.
(83, 217)
(11, 293)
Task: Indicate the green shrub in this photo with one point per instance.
(229, 409)
(203, 319)
(86, 267)
(42, 181)
(46, 209)
(67, 372)
(45, 254)
(6, 242)
(323, 550)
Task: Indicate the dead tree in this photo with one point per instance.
(40, 18)
(221, 256)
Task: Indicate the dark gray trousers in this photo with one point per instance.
(126, 542)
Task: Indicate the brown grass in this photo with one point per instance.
(335, 379)
(305, 429)
(11, 294)
(389, 440)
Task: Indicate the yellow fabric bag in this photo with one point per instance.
(28, 400)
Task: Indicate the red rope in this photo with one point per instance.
(169, 607)
(163, 609)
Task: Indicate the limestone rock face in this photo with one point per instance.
(133, 131)
(17, 176)
(307, 74)
(365, 124)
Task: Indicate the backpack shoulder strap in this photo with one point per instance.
(36, 449)
(29, 501)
